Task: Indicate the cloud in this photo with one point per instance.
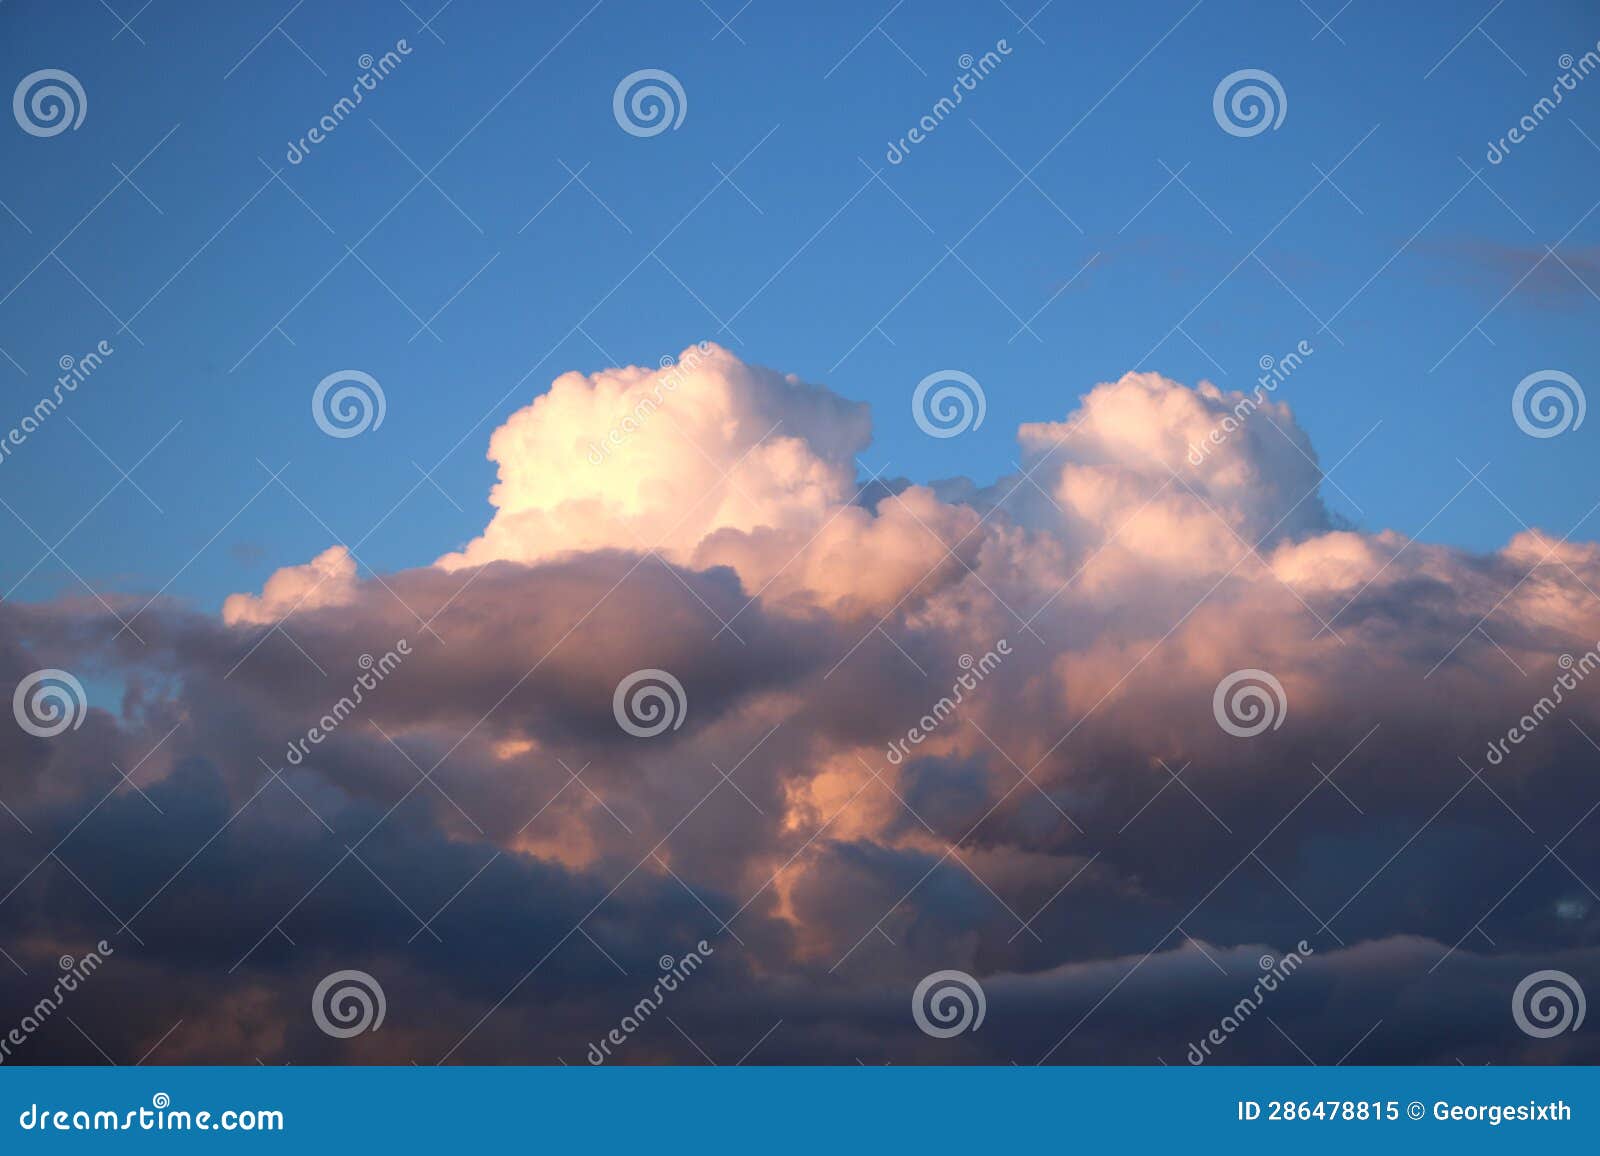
(964, 725)
(1548, 280)
(635, 458)
(329, 579)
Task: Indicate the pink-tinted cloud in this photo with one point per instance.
(966, 725)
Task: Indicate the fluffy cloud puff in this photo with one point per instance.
(1077, 831)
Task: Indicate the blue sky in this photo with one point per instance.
(816, 267)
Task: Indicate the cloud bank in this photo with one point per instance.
(960, 725)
